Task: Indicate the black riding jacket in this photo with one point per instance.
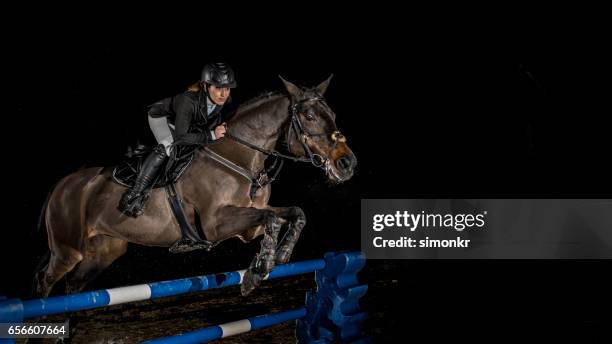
(187, 112)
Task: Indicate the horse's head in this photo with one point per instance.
(313, 134)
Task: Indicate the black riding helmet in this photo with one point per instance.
(218, 74)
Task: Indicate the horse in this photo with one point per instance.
(86, 233)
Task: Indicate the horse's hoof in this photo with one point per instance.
(247, 284)
(246, 289)
(250, 281)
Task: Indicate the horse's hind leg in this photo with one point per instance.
(59, 264)
(102, 251)
(65, 231)
(41, 266)
(61, 261)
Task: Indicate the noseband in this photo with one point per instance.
(302, 134)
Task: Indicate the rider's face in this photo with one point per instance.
(218, 95)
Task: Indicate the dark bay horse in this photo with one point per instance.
(86, 232)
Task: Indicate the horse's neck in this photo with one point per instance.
(261, 126)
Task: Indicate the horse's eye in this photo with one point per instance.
(309, 116)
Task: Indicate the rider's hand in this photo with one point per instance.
(220, 131)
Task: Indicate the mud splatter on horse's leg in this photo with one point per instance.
(297, 222)
(264, 261)
(232, 221)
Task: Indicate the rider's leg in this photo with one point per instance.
(132, 202)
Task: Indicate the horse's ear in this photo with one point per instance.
(293, 90)
(323, 86)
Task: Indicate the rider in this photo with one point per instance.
(188, 119)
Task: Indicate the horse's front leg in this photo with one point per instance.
(236, 220)
(296, 222)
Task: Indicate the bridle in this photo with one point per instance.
(260, 179)
(303, 136)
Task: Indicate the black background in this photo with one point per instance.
(431, 108)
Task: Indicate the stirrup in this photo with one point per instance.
(188, 245)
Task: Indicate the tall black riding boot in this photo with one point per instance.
(133, 200)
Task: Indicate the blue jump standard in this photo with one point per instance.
(15, 310)
(208, 334)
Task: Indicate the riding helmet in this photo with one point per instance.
(219, 74)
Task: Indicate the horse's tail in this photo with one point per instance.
(41, 217)
(44, 259)
(42, 262)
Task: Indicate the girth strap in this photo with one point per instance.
(187, 230)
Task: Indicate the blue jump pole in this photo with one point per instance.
(331, 312)
(208, 334)
(15, 310)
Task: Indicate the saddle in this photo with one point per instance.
(126, 172)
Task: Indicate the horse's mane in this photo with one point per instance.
(252, 103)
(262, 96)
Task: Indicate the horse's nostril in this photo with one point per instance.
(343, 163)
